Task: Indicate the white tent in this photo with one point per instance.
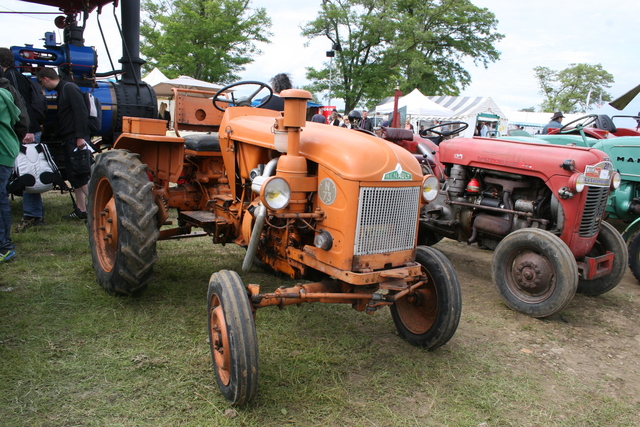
(154, 77)
(471, 109)
(417, 105)
(163, 88)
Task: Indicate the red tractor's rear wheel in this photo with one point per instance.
(535, 272)
(429, 316)
(121, 217)
(232, 337)
(634, 255)
(609, 240)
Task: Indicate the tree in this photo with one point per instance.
(528, 109)
(384, 44)
(209, 40)
(574, 89)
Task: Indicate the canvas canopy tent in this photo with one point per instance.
(154, 77)
(417, 105)
(163, 88)
(472, 110)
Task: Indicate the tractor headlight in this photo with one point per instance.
(275, 193)
(430, 188)
(616, 179)
(577, 182)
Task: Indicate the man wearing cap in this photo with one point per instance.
(556, 122)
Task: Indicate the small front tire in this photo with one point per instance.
(429, 316)
(232, 337)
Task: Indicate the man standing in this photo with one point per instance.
(366, 123)
(484, 130)
(10, 136)
(556, 122)
(72, 128)
(32, 208)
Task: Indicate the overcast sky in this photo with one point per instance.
(551, 33)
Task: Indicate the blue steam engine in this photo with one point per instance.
(121, 92)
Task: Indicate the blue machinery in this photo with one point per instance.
(124, 94)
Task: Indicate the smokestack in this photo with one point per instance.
(131, 62)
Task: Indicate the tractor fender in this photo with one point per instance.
(164, 155)
(631, 230)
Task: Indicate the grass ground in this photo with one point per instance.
(72, 355)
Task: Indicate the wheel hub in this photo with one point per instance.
(532, 273)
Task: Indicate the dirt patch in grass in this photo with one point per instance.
(592, 344)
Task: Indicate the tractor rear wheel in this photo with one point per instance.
(232, 337)
(121, 217)
(429, 316)
(634, 255)
(427, 237)
(609, 240)
(535, 272)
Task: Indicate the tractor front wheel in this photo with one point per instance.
(429, 316)
(609, 240)
(535, 272)
(232, 337)
(121, 218)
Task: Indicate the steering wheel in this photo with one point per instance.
(456, 131)
(582, 122)
(245, 101)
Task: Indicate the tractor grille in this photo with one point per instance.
(593, 211)
(387, 219)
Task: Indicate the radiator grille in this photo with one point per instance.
(593, 211)
(387, 219)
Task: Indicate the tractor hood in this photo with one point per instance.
(351, 154)
(355, 155)
(531, 158)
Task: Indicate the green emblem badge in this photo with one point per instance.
(397, 175)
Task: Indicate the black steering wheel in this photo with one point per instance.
(582, 122)
(456, 131)
(244, 101)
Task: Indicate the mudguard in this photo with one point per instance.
(631, 230)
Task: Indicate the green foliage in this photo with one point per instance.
(210, 40)
(574, 89)
(528, 109)
(381, 45)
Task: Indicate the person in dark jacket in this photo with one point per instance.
(32, 207)
(72, 128)
(319, 118)
(366, 122)
(279, 83)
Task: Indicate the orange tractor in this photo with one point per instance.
(336, 207)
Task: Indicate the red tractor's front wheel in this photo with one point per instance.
(429, 316)
(535, 272)
(121, 218)
(232, 337)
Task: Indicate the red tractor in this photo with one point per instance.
(540, 207)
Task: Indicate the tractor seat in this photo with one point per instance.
(202, 142)
(604, 122)
(396, 134)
